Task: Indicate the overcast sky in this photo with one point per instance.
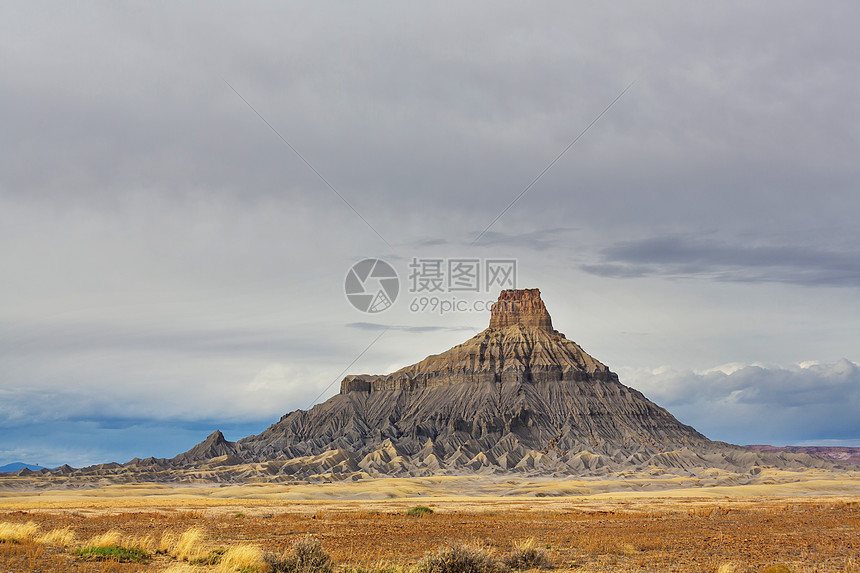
(169, 265)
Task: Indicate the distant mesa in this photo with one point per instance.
(841, 454)
(517, 398)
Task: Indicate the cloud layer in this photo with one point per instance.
(692, 256)
(760, 404)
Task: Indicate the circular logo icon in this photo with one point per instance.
(372, 285)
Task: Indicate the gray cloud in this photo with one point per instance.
(690, 256)
(376, 327)
(760, 404)
(537, 240)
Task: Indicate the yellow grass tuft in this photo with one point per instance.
(18, 531)
(727, 568)
(242, 558)
(147, 543)
(112, 537)
(64, 537)
(186, 546)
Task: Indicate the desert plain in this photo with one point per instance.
(781, 521)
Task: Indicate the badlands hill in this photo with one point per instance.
(517, 398)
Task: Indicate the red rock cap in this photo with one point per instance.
(520, 306)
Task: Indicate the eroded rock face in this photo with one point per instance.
(522, 307)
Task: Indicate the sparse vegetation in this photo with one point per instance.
(419, 511)
(527, 555)
(597, 534)
(459, 559)
(778, 568)
(113, 553)
(306, 556)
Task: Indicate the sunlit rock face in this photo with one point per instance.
(522, 307)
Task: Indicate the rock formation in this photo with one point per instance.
(517, 397)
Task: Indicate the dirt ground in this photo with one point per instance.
(653, 533)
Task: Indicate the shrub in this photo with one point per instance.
(527, 555)
(306, 556)
(459, 559)
(112, 553)
(419, 511)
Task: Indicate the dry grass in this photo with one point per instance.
(245, 558)
(528, 555)
(186, 546)
(684, 535)
(61, 537)
(183, 568)
(106, 539)
(18, 532)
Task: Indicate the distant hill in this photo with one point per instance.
(15, 466)
(842, 454)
